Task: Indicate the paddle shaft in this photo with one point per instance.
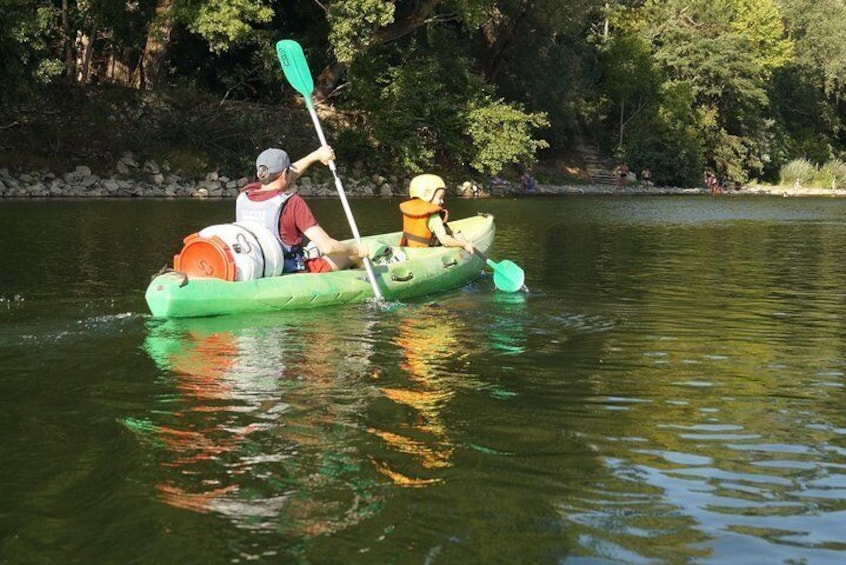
(484, 258)
(368, 266)
(296, 70)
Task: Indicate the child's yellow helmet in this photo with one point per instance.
(424, 187)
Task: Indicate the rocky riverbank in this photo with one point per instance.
(153, 180)
(132, 179)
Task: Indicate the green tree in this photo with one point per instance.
(808, 95)
(541, 55)
(502, 135)
(725, 53)
(425, 106)
(629, 81)
(29, 41)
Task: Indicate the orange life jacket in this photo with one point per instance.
(415, 217)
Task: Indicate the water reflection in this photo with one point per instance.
(428, 339)
(720, 392)
(257, 420)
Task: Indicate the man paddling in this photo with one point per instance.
(287, 215)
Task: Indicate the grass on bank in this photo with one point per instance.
(802, 172)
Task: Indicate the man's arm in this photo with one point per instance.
(330, 246)
(324, 154)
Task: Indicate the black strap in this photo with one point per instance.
(417, 238)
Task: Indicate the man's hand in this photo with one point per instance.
(325, 154)
(361, 250)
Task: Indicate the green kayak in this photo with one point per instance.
(401, 272)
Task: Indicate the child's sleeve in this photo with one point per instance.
(436, 226)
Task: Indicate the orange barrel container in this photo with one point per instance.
(241, 251)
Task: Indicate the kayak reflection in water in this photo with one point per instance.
(425, 385)
(256, 430)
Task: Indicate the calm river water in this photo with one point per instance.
(670, 391)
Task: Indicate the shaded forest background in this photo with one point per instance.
(741, 87)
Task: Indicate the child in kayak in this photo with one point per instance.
(424, 216)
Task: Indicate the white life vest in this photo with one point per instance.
(267, 213)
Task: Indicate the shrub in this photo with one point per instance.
(800, 170)
(501, 134)
(834, 174)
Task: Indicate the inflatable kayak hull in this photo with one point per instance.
(402, 273)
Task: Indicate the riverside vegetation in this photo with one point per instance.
(474, 89)
(117, 142)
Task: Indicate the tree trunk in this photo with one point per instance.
(118, 71)
(152, 71)
(87, 55)
(70, 65)
(498, 34)
(622, 121)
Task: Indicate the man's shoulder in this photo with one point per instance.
(254, 193)
(295, 201)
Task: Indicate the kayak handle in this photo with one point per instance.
(402, 278)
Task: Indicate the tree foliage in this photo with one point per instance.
(502, 135)
(739, 86)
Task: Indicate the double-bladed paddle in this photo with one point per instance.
(296, 70)
(508, 277)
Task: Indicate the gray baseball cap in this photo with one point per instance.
(272, 161)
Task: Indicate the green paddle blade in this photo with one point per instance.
(508, 277)
(295, 67)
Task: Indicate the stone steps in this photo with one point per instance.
(600, 169)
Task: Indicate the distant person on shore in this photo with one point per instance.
(622, 175)
(711, 183)
(497, 182)
(289, 218)
(424, 216)
(646, 177)
(527, 182)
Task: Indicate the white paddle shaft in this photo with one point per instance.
(368, 266)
